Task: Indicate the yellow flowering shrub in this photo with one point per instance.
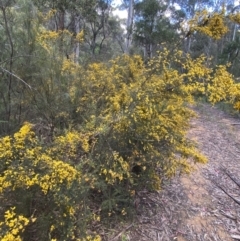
(220, 87)
(235, 17)
(72, 146)
(127, 125)
(214, 25)
(80, 36)
(234, 96)
(48, 15)
(56, 41)
(216, 84)
(13, 225)
(41, 188)
(47, 38)
(113, 128)
(140, 115)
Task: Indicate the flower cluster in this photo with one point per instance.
(13, 225)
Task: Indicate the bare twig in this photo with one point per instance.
(235, 236)
(232, 178)
(29, 86)
(124, 230)
(228, 215)
(234, 199)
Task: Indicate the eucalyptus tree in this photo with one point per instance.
(230, 44)
(154, 24)
(17, 45)
(129, 25)
(89, 16)
(190, 7)
(94, 17)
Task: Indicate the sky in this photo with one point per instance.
(121, 14)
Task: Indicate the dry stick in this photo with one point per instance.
(16, 77)
(235, 236)
(234, 199)
(228, 215)
(124, 230)
(233, 179)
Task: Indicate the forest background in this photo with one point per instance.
(91, 112)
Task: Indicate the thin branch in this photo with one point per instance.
(231, 177)
(234, 199)
(123, 231)
(29, 86)
(10, 64)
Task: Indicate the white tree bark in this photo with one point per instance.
(234, 31)
(129, 25)
(77, 47)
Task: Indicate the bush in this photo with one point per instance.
(127, 130)
(40, 195)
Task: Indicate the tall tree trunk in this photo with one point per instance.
(188, 47)
(61, 20)
(61, 27)
(234, 32)
(11, 52)
(129, 25)
(77, 30)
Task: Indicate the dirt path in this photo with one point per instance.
(193, 208)
(218, 136)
